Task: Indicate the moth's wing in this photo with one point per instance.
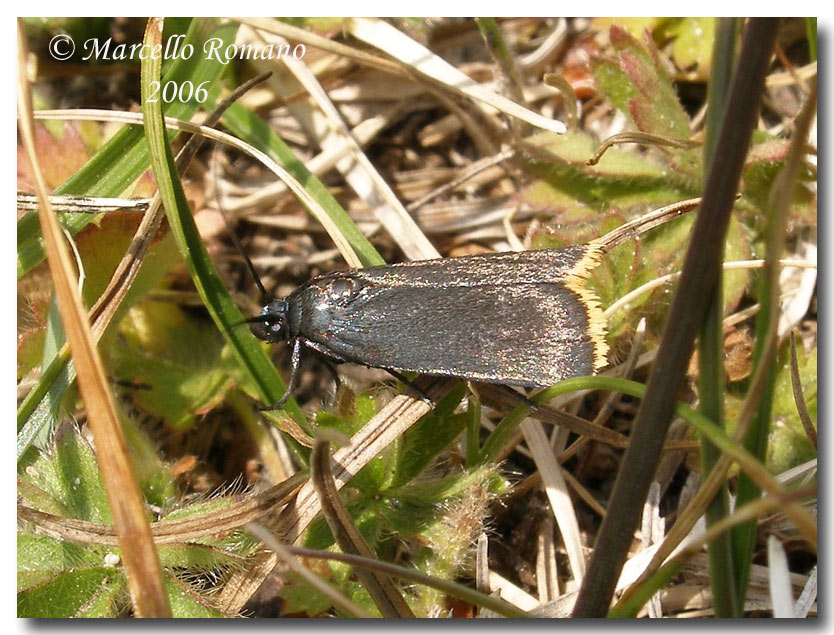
(507, 269)
(524, 334)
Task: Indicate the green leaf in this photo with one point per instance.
(376, 475)
(693, 43)
(423, 442)
(200, 558)
(84, 592)
(175, 363)
(764, 162)
(301, 598)
(575, 191)
(70, 476)
(736, 247)
(154, 478)
(788, 445)
(365, 514)
(39, 558)
(186, 602)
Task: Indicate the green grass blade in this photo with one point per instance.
(711, 339)
(766, 342)
(253, 130)
(211, 289)
(811, 28)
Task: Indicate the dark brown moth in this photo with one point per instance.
(524, 319)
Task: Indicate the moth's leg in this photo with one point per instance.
(295, 368)
(411, 385)
(325, 356)
(332, 370)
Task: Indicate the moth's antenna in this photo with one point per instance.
(213, 118)
(258, 319)
(265, 296)
(644, 223)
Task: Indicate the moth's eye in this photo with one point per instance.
(342, 289)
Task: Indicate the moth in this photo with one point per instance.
(527, 319)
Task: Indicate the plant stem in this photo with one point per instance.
(710, 346)
(700, 271)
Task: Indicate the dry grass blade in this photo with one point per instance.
(638, 137)
(698, 505)
(547, 572)
(389, 423)
(469, 173)
(629, 297)
(297, 188)
(144, 572)
(780, 583)
(270, 25)
(332, 132)
(503, 401)
(512, 593)
(84, 204)
(695, 543)
(651, 532)
(386, 38)
(316, 581)
(482, 564)
(557, 493)
(808, 596)
(164, 532)
(363, 133)
(694, 599)
(380, 586)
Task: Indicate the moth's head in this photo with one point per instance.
(271, 324)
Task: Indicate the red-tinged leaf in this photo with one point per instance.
(31, 332)
(59, 158)
(638, 85)
(102, 248)
(639, 72)
(145, 185)
(635, 26)
(768, 151)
